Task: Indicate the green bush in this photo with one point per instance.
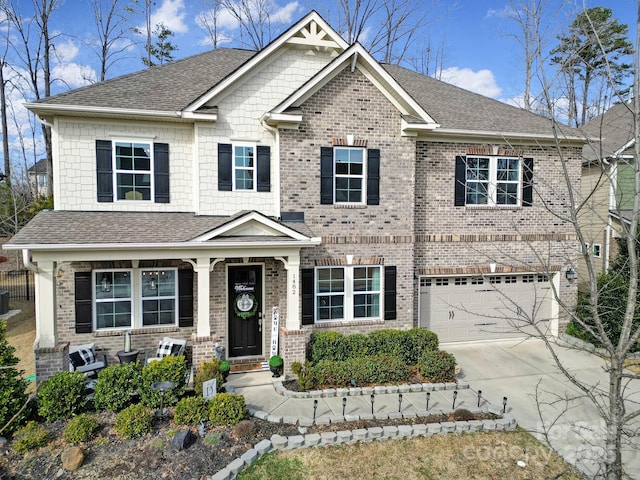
(134, 421)
(81, 428)
(171, 368)
(208, 370)
(376, 369)
(12, 386)
(190, 411)
(62, 396)
(304, 373)
(31, 436)
(116, 386)
(406, 344)
(437, 366)
(327, 345)
(276, 361)
(227, 409)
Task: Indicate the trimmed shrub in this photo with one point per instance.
(81, 428)
(327, 345)
(169, 369)
(227, 409)
(31, 436)
(416, 342)
(134, 421)
(12, 386)
(377, 369)
(190, 411)
(208, 370)
(62, 396)
(437, 366)
(386, 342)
(276, 361)
(116, 386)
(358, 345)
(305, 375)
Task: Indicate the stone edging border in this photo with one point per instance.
(306, 440)
(589, 347)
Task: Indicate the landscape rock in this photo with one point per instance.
(72, 458)
(182, 440)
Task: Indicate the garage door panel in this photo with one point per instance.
(466, 310)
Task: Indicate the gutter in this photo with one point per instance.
(26, 260)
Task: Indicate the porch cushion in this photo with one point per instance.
(82, 355)
(166, 348)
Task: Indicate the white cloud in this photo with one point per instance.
(482, 81)
(66, 51)
(171, 14)
(73, 75)
(285, 14)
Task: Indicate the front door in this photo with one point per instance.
(245, 310)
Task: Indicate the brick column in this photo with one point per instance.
(293, 347)
(51, 360)
(204, 348)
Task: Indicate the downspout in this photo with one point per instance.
(276, 171)
(607, 241)
(26, 261)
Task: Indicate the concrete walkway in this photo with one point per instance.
(518, 370)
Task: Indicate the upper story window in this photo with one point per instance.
(132, 170)
(244, 167)
(493, 181)
(349, 175)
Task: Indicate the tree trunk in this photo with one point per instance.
(5, 131)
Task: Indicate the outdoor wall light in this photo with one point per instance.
(153, 283)
(571, 274)
(106, 286)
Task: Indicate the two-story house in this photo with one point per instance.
(251, 198)
(608, 186)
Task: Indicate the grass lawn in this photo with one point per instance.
(21, 332)
(485, 455)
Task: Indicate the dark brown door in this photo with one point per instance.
(245, 310)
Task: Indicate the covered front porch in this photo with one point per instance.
(225, 286)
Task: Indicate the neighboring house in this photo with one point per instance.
(305, 183)
(608, 179)
(38, 183)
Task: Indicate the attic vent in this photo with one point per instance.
(292, 217)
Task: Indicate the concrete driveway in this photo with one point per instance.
(519, 369)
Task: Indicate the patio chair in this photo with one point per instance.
(83, 358)
(168, 346)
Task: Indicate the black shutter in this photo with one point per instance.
(264, 168)
(527, 183)
(326, 175)
(83, 301)
(390, 293)
(373, 177)
(307, 284)
(225, 169)
(461, 182)
(161, 172)
(185, 298)
(104, 171)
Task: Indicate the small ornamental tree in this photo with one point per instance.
(12, 386)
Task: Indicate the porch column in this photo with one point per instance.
(293, 292)
(45, 304)
(203, 327)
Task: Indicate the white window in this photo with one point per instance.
(113, 300)
(158, 294)
(347, 293)
(155, 297)
(244, 167)
(133, 172)
(493, 181)
(596, 248)
(349, 168)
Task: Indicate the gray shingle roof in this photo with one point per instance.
(459, 109)
(614, 129)
(169, 87)
(174, 86)
(79, 227)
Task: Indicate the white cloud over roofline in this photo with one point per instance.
(482, 81)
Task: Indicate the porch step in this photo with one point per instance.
(249, 379)
(249, 367)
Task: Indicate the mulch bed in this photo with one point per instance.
(150, 458)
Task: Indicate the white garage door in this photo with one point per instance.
(463, 309)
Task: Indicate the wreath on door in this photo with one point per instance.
(245, 305)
